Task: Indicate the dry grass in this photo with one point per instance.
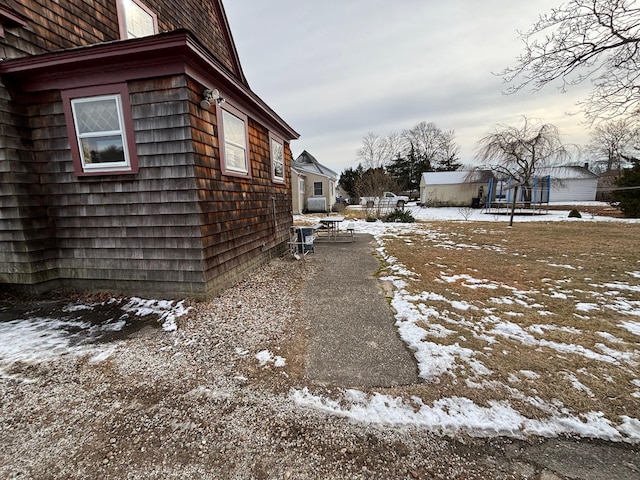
(540, 273)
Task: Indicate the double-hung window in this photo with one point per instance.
(277, 160)
(235, 141)
(317, 189)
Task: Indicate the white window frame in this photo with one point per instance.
(102, 167)
(275, 141)
(225, 143)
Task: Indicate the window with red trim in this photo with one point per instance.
(100, 130)
(234, 142)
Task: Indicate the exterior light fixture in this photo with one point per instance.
(209, 96)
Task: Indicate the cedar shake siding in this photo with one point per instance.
(171, 223)
(54, 26)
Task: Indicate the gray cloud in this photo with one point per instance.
(337, 70)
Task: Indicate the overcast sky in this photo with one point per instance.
(337, 69)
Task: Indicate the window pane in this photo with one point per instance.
(278, 170)
(277, 157)
(139, 23)
(102, 149)
(233, 129)
(97, 116)
(235, 157)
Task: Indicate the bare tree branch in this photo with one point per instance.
(611, 142)
(516, 152)
(597, 40)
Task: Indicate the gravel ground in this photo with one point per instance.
(196, 403)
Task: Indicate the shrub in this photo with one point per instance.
(399, 215)
(338, 207)
(574, 214)
(371, 219)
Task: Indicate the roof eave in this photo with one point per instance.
(163, 54)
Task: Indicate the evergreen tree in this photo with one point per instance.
(421, 163)
(349, 180)
(407, 170)
(400, 169)
(448, 164)
(629, 198)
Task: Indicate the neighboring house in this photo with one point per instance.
(313, 185)
(460, 188)
(122, 168)
(454, 189)
(570, 183)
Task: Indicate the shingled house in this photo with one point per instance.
(134, 156)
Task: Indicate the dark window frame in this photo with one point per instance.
(127, 120)
(9, 18)
(315, 192)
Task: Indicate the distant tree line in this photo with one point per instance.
(396, 162)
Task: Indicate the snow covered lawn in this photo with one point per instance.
(530, 330)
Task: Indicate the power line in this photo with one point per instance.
(610, 189)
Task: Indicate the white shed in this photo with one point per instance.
(570, 183)
(453, 189)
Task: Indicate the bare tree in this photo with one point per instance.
(395, 145)
(425, 139)
(373, 183)
(433, 148)
(585, 39)
(449, 152)
(516, 152)
(611, 142)
(377, 151)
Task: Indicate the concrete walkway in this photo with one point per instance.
(354, 342)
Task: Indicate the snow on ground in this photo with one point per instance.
(35, 339)
(481, 215)
(167, 311)
(451, 416)
(265, 357)
(455, 415)
(38, 339)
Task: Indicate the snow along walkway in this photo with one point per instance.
(353, 338)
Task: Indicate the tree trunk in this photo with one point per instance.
(513, 205)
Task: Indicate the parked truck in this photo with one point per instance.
(387, 200)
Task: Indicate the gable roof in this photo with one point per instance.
(231, 45)
(566, 172)
(307, 163)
